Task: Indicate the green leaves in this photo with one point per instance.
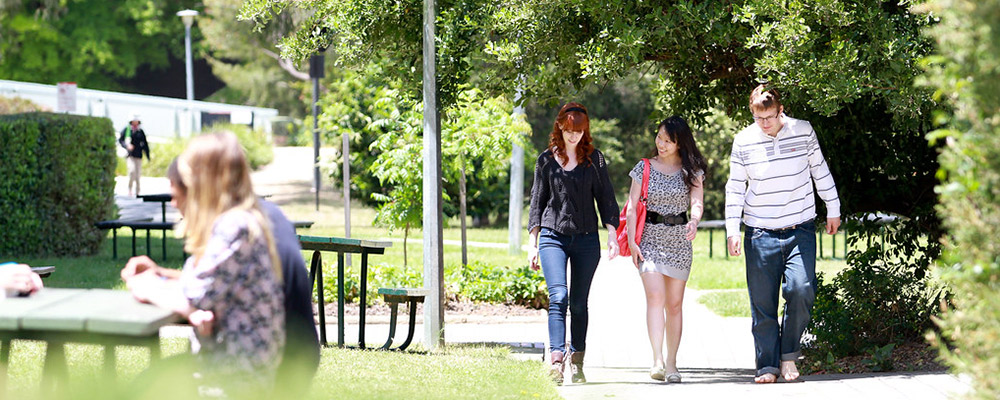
(964, 74)
(56, 180)
(88, 41)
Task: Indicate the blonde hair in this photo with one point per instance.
(216, 173)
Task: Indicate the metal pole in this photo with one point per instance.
(189, 70)
(346, 156)
(516, 188)
(433, 229)
(315, 115)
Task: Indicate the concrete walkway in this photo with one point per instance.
(716, 357)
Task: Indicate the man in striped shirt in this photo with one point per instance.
(772, 169)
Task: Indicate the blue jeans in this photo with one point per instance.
(773, 256)
(584, 252)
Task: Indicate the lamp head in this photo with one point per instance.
(187, 16)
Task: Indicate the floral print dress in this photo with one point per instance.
(234, 279)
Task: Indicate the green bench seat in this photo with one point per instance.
(394, 296)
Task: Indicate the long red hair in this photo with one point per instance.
(572, 117)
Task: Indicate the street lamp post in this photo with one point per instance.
(188, 17)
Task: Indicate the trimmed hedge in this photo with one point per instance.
(56, 180)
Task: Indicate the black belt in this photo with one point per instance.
(666, 219)
(787, 228)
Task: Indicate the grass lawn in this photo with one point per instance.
(725, 278)
(455, 373)
(727, 303)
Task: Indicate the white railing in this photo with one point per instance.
(162, 117)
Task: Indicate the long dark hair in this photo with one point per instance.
(572, 117)
(691, 159)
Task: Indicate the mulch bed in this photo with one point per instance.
(909, 357)
(451, 308)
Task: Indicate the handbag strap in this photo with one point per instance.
(645, 179)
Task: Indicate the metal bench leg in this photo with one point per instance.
(316, 280)
(392, 326)
(133, 242)
(4, 361)
(149, 249)
(54, 370)
(340, 299)
(154, 351)
(413, 323)
(114, 244)
(364, 298)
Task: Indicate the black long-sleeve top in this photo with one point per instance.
(138, 140)
(564, 200)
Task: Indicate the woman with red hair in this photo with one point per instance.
(570, 177)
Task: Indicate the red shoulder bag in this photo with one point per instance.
(640, 215)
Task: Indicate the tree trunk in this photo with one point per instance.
(406, 234)
(461, 208)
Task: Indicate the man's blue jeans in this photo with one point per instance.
(773, 256)
(584, 252)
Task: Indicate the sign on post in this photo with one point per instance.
(66, 97)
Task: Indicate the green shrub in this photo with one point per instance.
(478, 281)
(56, 180)
(257, 144)
(966, 75)
(17, 105)
(160, 156)
(874, 306)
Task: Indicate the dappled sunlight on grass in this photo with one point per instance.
(454, 373)
(462, 372)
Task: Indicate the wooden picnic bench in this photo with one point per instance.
(96, 316)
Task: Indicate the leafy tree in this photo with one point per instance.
(248, 60)
(478, 133)
(348, 107)
(964, 72)
(846, 66)
(94, 42)
(849, 67)
(399, 166)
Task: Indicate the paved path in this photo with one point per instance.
(716, 357)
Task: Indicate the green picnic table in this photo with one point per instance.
(341, 246)
(96, 316)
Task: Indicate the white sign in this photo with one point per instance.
(66, 97)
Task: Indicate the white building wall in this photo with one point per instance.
(162, 117)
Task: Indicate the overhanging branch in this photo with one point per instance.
(287, 65)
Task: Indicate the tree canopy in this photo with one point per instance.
(92, 41)
(848, 66)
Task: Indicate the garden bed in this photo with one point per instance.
(455, 312)
(910, 357)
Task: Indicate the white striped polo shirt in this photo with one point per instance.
(771, 178)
